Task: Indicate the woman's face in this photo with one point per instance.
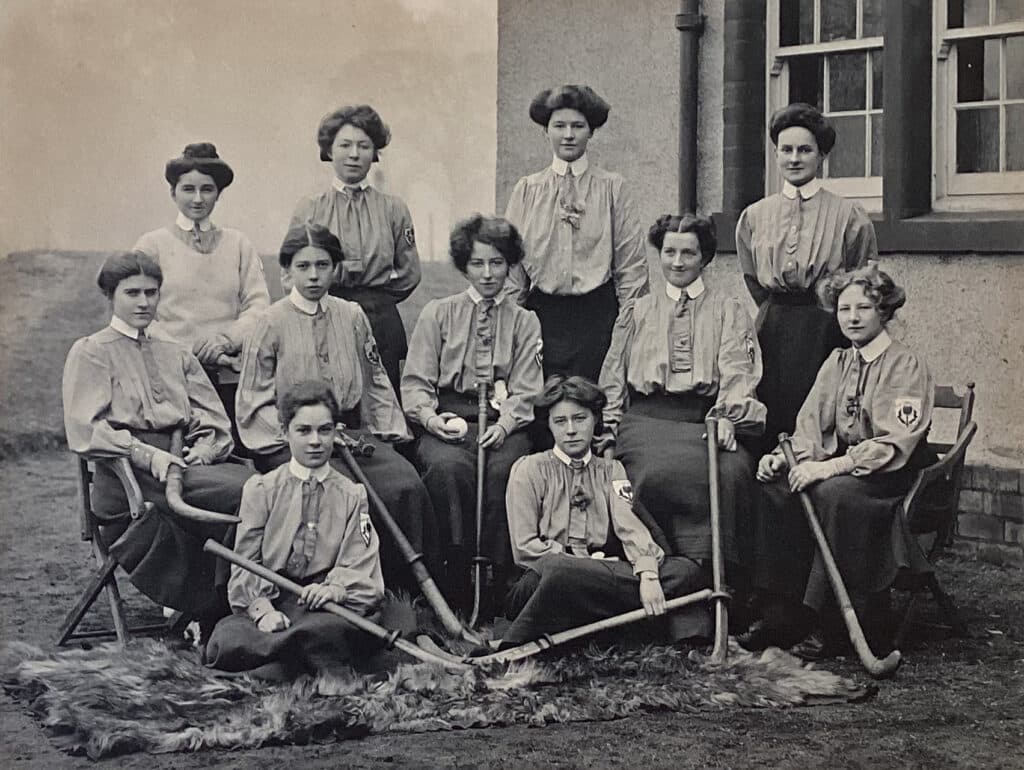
(311, 272)
(486, 270)
(135, 300)
(351, 154)
(311, 435)
(681, 260)
(195, 194)
(798, 155)
(568, 131)
(858, 316)
(572, 426)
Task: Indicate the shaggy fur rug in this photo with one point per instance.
(150, 697)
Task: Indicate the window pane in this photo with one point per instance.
(1014, 67)
(805, 79)
(1008, 10)
(872, 18)
(846, 83)
(847, 157)
(977, 140)
(977, 70)
(838, 19)
(876, 145)
(1015, 137)
(967, 13)
(796, 22)
(876, 79)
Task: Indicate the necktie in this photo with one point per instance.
(579, 502)
(353, 211)
(197, 237)
(570, 209)
(304, 544)
(791, 270)
(681, 337)
(152, 371)
(483, 354)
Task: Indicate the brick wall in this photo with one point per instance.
(991, 522)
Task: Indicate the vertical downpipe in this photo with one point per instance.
(690, 24)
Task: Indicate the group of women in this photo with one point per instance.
(558, 289)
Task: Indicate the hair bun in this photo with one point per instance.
(200, 150)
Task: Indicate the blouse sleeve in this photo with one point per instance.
(357, 567)
(526, 376)
(524, 499)
(745, 252)
(255, 405)
(253, 297)
(859, 241)
(378, 406)
(248, 593)
(406, 272)
(641, 550)
(518, 282)
(629, 260)
(614, 371)
(739, 372)
(208, 422)
(87, 395)
(814, 437)
(147, 245)
(422, 367)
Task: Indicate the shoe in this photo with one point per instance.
(816, 648)
(761, 635)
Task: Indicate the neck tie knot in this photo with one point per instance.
(577, 464)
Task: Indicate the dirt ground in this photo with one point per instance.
(955, 703)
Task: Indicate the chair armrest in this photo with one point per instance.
(942, 468)
(126, 475)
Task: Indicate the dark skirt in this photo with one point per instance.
(562, 592)
(577, 329)
(660, 442)
(381, 309)
(316, 642)
(796, 336)
(399, 486)
(859, 517)
(163, 553)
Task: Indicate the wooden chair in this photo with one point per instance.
(930, 509)
(104, 579)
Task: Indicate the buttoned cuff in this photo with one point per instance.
(259, 607)
(508, 423)
(840, 466)
(141, 455)
(645, 564)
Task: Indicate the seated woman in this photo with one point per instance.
(480, 335)
(214, 289)
(310, 335)
(306, 521)
(584, 553)
(125, 391)
(679, 355)
(859, 440)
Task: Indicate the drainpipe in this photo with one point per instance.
(690, 24)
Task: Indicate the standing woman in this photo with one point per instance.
(214, 289)
(583, 239)
(787, 243)
(382, 266)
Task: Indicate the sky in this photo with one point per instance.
(96, 96)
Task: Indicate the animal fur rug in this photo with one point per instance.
(152, 698)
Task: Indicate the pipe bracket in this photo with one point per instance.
(690, 22)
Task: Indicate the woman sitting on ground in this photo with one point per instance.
(859, 441)
(583, 552)
(309, 523)
(125, 392)
(478, 336)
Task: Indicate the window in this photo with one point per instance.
(829, 53)
(979, 103)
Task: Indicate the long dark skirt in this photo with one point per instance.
(316, 642)
(796, 336)
(396, 481)
(162, 553)
(577, 330)
(381, 309)
(859, 517)
(660, 442)
(562, 592)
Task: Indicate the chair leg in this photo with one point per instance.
(113, 593)
(946, 604)
(100, 580)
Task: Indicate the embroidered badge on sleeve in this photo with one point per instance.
(748, 341)
(410, 236)
(372, 354)
(365, 528)
(539, 353)
(623, 489)
(908, 411)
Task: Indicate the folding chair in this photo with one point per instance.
(931, 506)
(104, 578)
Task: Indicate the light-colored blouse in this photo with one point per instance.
(443, 356)
(705, 346)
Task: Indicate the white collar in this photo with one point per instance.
(805, 191)
(564, 458)
(302, 473)
(344, 187)
(694, 290)
(305, 305)
(188, 225)
(120, 325)
(876, 347)
(478, 298)
(579, 166)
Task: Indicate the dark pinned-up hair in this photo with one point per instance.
(583, 99)
(494, 231)
(362, 116)
(117, 267)
(299, 237)
(201, 157)
(577, 389)
(305, 393)
(878, 287)
(805, 116)
(698, 224)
